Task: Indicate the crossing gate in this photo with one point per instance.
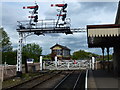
(66, 65)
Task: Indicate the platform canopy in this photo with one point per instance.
(103, 35)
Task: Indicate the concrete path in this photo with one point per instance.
(102, 80)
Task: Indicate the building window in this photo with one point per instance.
(65, 52)
(58, 51)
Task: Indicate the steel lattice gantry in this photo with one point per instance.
(41, 27)
(26, 30)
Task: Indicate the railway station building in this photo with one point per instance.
(62, 52)
(107, 36)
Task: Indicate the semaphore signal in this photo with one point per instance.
(34, 16)
(62, 12)
(31, 7)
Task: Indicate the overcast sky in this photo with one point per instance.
(80, 13)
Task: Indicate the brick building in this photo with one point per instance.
(62, 52)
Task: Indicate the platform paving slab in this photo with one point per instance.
(102, 80)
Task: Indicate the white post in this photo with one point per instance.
(56, 62)
(90, 63)
(2, 78)
(93, 61)
(96, 65)
(44, 65)
(86, 80)
(40, 63)
(5, 68)
(68, 65)
(79, 64)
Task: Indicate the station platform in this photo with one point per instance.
(102, 80)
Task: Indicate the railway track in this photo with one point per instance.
(72, 81)
(49, 83)
(31, 83)
(57, 80)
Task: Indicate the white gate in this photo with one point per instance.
(66, 65)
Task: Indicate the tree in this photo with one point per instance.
(6, 44)
(81, 54)
(9, 57)
(47, 57)
(32, 51)
(105, 57)
(7, 54)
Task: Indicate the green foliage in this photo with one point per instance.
(47, 57)
(9, 57)
(31, 51)
(81, 54)
(6, 44)
(105, 57)
(34, 51)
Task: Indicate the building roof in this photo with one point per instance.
(117, 21)
(104, 35)
(108, 30)
(103, 26)
(63, 47)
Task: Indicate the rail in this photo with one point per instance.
(74, 88)
(28, 81)
(62, 80)
(73, 81)
(45, 80)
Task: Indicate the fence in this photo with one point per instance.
(66, 64)
(10, 70)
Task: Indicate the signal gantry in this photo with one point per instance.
(41, 27)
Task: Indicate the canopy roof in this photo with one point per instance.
(111, 30)
(104, 35)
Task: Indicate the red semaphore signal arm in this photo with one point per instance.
(31, 16)
(30, 7)
(58, 5)
(59, 15)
